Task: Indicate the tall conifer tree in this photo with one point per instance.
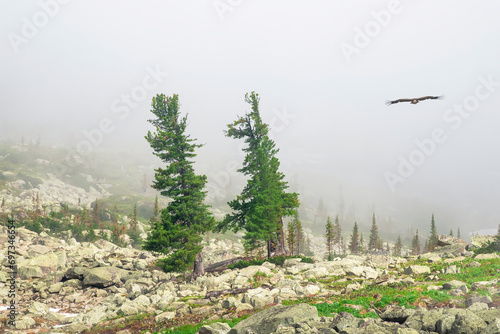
(330, 238)
(398, 247)
(338, 230)
(354, 244)
(263, 203)
(374, 241)
(179, 231)
(433, 237)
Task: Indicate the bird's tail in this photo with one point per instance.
(388, 103)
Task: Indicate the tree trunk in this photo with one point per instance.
(199, 267)
(281, 247)
(268, 248)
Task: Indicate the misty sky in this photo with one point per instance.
(72, 71)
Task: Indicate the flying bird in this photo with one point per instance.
(415, 100)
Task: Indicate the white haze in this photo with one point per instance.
(337, 138)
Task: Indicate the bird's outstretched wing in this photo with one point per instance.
(430, 98)
(397, 101)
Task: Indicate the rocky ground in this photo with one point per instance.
(71, 287)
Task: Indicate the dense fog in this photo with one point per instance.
(81, 75)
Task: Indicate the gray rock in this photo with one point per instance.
(55, 288)
(486, 256)
(48, 262)
(397, 314)
(424, 320)
(342, 321)
(415, 270)
(453, 285)
(478, 299)
(24, 322)
(478, 307)
(406, 331)
(128, 308)
(467, 322)
(474, 264)
(478, 241)
(95, 315)
(75, 273)
(374, 328)
(268, 320)
(215, 328)
(38, 309)
(493, 328)
(243, 307)
(489, 315)
(102, 277)
(29, 272)
(164, 316)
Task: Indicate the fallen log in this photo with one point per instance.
(215, 294)
(222, 265)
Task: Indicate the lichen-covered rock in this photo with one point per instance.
(103, 277)
(493, 327)
(267, 321)
(38, 309)
(215, 328)
(453, 285)
(416, 270)
(479, 299)
(397, 314)
(25, 322)
(164, 316)
(29, 272)
(424, 320)
(467, 322)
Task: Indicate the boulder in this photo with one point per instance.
(95, 315)
(489, 315)
(478, 241)
(317, 272)
(446, 240)
(467, 322)
(243, 307)
(29, 272)
(493, 327)
(164, 316)
(344, 322)
(24, 322)
(102, 277)
(415, 270)
(38, 309)
(486, 256)
(424, 320)
(75, 273)
(479, 299)
(48, 262)
(397, 314)
(215, 328)
(454, 285)
(267, 321)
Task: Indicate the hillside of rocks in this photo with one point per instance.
(71, 287)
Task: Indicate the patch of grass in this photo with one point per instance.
(192, 329)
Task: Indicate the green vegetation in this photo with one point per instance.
(361, 303)
(192, 329)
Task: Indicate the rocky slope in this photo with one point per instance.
(70, 287)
